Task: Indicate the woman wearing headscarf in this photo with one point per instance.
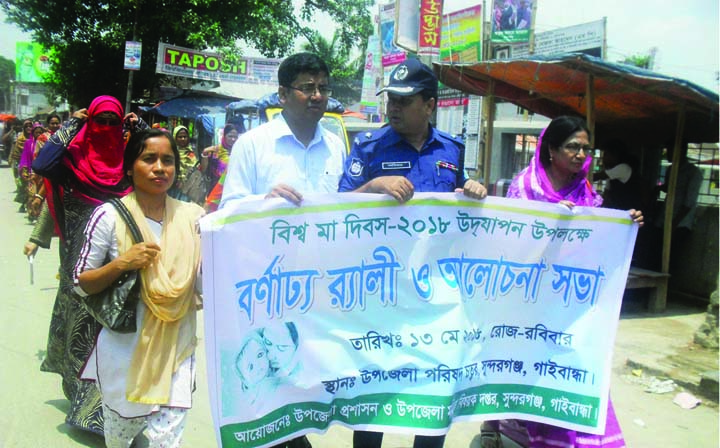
(558, 173)
(82, 164)
(18, 146)
(214, 163)
(214, 159)
(188, 160)
(36, 189)
(32, 183)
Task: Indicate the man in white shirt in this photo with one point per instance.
(292, 154)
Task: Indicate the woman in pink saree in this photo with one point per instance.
(558, 173)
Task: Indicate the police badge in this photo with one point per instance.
(356, 167)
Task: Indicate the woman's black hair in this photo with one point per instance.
(231, 127)
(51, 116)
(292, 329)
(559, 130)
(136, 146)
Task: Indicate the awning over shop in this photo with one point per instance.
(191, 104)
(626, 97)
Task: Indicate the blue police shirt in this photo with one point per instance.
(438, 167)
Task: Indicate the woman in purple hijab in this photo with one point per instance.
(558, 173)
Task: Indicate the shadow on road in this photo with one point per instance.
(80, 437)
(61, 405)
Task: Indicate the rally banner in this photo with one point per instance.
(357, 310)
(189, 63)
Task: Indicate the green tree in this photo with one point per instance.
(346, 73)
(7, 74)
(646, 61)
(88, 38)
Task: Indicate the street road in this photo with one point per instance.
(33, 406)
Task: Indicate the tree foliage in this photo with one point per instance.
(646, 61)
(642, 61)
(88, 38)
(7, 74)
(345, 73)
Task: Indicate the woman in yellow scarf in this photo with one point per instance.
(146, 378)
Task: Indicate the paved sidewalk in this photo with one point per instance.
(661, 346)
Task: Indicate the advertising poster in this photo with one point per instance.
(391, 54)
(511, 20)
(133, 55)
(372, 77)
(585, 38)
(352, 309)
(185, 62)
(32, 63)
(462, 36)
(429, 37)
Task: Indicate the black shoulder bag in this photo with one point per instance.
(116, 306)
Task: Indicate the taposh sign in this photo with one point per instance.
(185, 62)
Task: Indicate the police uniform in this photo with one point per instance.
(438, 167)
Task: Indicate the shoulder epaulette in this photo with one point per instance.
(365, 138)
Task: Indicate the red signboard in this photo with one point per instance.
(429, 33)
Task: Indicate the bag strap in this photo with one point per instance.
(127, 217)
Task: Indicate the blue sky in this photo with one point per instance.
(685, 32)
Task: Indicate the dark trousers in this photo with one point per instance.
(370, 439)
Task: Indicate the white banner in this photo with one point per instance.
(353, 309)
(577, 38)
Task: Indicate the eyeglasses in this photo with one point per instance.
(107, 121)
(576, 147)
(310, 89)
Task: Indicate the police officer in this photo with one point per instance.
(407, 156)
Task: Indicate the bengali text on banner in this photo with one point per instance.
(357, 310)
